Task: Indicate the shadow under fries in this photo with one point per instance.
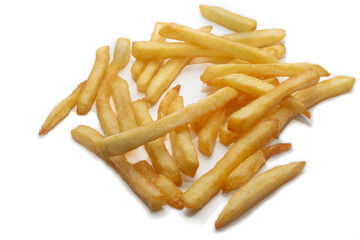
(258, 205)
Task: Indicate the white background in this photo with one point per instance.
(52, 188)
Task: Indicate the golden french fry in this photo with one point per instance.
(226, 137)
(312, 96)
(254, 111)
(211, 41)
(278, 50)
(258, 38)
(255, 88)
(147, 74)
(213, 60)
(248, 168)
(168, 188)
(181, 143)
(89, 91)
(237, 61)
(165, 103)
(61, 110)
(256, 190)
(122, 100)
(107, 117)
(166, 75)
(228, 19)
(134, 138)
(261, 70)
(209, 184)
(159, 155)
(148, 192)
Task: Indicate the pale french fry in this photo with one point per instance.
(254, 111)
(181, 143)
(278, 50)
(122, 100)
(137, 68)
(147, 74)
(165, 103)
(148, 192)
(312, 96)
(228, 19)
(61, 110)
(89, 91)
(172, 193)
(258, 38)
(164, 50)
(167, 74)
(261, 70)
(247, 169)
(255, 88)
(126, 141)
(256, 190)
(211, 41)
(209, 184)
(107, 117)
(159, 155)
(213, 60)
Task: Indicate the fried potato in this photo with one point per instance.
(61, 110)
(254, 111)
(211, 41)
(209, 184)
(278, 50)
(213, 60)
(226, 137)
(255, 88)
(261, 70)
(181, 143)
(89, 91)
(159, 155)
(168, 188)
(147, 74)
(134, 138)
(165, 103)
(256, 190)
(228, 19)
(122, 100)
(258, 38)
(108, 119)
(247, 169)
(148, 192)
(137, 68)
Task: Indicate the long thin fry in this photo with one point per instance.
(134, 138)
(89, 91)
(211, 41)
(247, 169)
(213, 60)
(261, 70)
(256, 190)
(61, 110)
(209, 184)
(165, 103)
(147, 74)
(228, 19)
(254, 111)
(159, 155)
(258, 38)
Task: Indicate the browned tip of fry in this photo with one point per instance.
(43, 131)
(276, 149)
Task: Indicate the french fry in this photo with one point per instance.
(122, 100)
(168, 188)
(89, 91)
(126, 141)
(167, 74)
(255, 88)
(211, 41)
(226, 137)
(258, 38)
(181, 143)
(228, 19)
(247, 169)
(61, 110)
(213, 60)
(165, 103)
(159, 155)
(254, 111)
(107, 117)
(278, 50)
(148, 192)
(198, 123)
(261, 70)
(209, 184)
(256, 190)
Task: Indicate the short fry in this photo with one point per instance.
(61, 110)
(256, 190)
(247, 169)
(228, 19)
(258, 38)
(209, 184)
(89, 91)
(254, 111)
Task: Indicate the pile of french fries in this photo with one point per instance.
(249, 109)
